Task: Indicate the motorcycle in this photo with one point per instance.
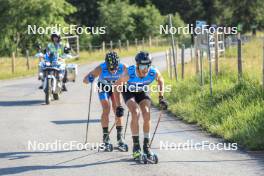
(53, 76)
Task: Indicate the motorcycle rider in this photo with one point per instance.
(108, 72)
(136, 96)
(57, 49)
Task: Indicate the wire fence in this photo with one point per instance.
(245, 57)
(30, 61)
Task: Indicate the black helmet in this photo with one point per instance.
(112, 60)
(143, 58)
(55, 34)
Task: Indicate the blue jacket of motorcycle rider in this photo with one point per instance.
(54, 61)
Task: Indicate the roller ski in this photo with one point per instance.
(149, 157)
(122, 146)
(106, 146)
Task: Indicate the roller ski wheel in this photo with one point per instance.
(107, 147)
(150, 158)
(122, 147)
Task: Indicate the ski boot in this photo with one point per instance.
(137, 152)
(122, 146)
(107, 146)
(149, 156)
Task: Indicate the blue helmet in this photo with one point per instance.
(112, 60)
(143, 58)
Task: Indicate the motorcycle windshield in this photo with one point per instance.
(51, 59)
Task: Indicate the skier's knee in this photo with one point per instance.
(106, 111)
(135, 113)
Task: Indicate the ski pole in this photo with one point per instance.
(160, 115)
(89, 110)
(126, 125)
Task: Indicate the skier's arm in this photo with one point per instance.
(94, 73)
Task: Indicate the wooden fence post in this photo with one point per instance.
(150, 41)
(196, 55)
(168, 62)
(239, 59)
(143, 43)
(13, 62)
(90, 47)
(111, 45)
(201, 67)
(27, 57)
(263, 66)
(127, 43)
(78, 47)
(191, 53)
(216, 54)
(182, 60)
(136, 43)
(210, 65)
(103, 46)
(119, 45)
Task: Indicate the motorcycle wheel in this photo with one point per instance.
(47, 92)
(56, 96)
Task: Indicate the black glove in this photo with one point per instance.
(163, 103)
(120, 111)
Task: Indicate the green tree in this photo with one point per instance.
(248, 13)
(17, 15)
(116, 17)
(147, 20)
(87, 12)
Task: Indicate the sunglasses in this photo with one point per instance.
(142, 67)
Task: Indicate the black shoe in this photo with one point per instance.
(64, 88)
(41, 87)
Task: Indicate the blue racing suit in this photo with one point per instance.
(107, 79)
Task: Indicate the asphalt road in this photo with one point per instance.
(24, 118)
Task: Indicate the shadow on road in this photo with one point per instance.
(21, 169)
(21, 155)
(21, 103)
(66, 122)
(259, 159)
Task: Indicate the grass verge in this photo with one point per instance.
(235, 112)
